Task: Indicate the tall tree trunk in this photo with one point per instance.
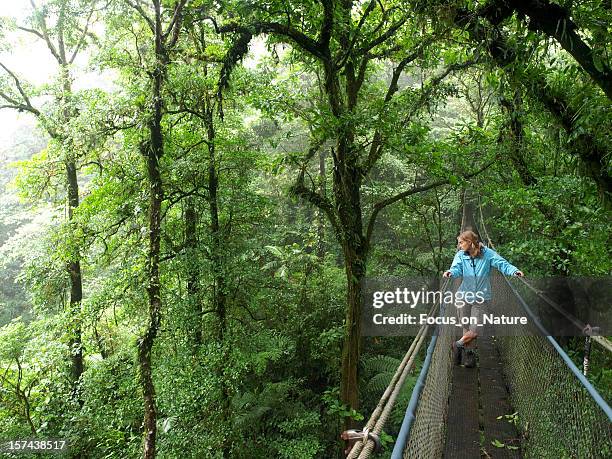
(347, 183)
(346, 188)
(146, 342)
(76, 285)
(219, 282)
(219, 288)
(355, 269)
(153, 151)
(193, 275)
(74, 264)
(320, 214)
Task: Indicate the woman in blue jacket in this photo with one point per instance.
(473, 263)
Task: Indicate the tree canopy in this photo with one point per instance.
(187, 232)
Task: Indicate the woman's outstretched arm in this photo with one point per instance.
(503, 265)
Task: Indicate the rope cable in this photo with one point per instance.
(369, 446)
(382, 411)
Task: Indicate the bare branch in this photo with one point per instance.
(45, 33)
(344, 57)
(300, 189)
(214, 23)
(384, 37)
(253, 317)
(21, 108)
(26, 105)
(414, 190)
(435, 81)
(377, 142)
(32, 31)
(295, 36)
(84, 34)
(175, 24)
(180, 196)
(384, 54)
(143, 14)
(60, 33)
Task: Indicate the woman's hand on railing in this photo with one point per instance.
(446, 274)
(519, 274)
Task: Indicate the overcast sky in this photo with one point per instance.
(28, 57)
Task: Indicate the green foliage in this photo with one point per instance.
(253, 282)
(32, 388)
(109, 422)
(336, 408)
(383, 368)
(572, 241)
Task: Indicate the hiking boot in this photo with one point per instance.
(457, 353)
(469, 359)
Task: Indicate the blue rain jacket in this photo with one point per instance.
(476, 272)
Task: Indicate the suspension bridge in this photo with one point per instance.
(525, 398)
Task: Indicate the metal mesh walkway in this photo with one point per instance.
(480, 420)
(463, 412)
(463, 436)
(497, 420)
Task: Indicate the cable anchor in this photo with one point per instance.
(353, 436)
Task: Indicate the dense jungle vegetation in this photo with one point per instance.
(199, 189)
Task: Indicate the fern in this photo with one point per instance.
(379, 371)
(251, 407)
(379, 383)
(381, 364)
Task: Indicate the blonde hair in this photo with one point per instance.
(472, 238)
